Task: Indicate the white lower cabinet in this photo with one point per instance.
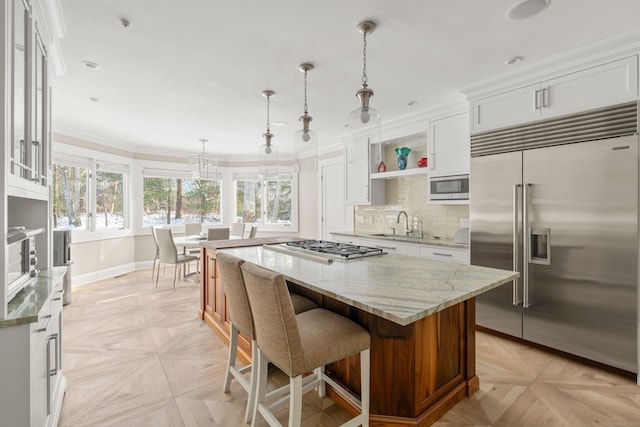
(33, 385)
(391, 246)
(440, 253)
(444, 254)
(343, 239)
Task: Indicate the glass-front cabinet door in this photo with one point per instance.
(29, 148)
(38, 112)
(19, 152)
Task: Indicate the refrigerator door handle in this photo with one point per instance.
(526, 194)
(516, 254)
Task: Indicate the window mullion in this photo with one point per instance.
(91, 203)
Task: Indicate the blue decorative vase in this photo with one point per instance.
(402, 153)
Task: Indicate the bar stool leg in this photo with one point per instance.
(262, 365)
(295, 401)
(365, 384)
(320, 389)
(253, 383)
(231, 360)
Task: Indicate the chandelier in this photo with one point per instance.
(203, 165)
(364, 115)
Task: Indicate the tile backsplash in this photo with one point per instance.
(409, 195)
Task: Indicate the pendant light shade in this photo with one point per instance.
(364, 115)
(203, 165)
(268, 153)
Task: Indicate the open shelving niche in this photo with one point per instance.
(384, 151)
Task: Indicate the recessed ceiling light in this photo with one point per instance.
(94, 99)
(525, 9)
(514, 60)
(412, 103)
(91, 65)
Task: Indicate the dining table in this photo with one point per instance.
(193, 242)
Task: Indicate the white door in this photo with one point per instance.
(335, 216)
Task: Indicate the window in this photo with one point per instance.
(110, 185)
(248, 201)
(170, 200)
(264, 202)
(70, 185)
(278, 194)
(83, 200)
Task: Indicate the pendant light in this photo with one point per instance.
(305, 134)
(268, 153)
(364, 115)
(203, 165)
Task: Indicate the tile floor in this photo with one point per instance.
(139, 356)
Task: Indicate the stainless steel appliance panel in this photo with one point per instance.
(495, 194)
(582, 291)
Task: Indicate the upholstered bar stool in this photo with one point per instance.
(241, 321)
(298, 344)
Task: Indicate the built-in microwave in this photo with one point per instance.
(454, 187)
(22, 260)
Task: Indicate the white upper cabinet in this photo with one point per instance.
(449, 145)
(359, 189)
(598, 86)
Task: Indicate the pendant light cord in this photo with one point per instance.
(364, 58)
(268, 103)
(306, 109)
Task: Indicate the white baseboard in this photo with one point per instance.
(107, 273)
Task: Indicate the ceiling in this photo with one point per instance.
(191, 69)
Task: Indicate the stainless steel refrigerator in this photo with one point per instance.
(558, 201)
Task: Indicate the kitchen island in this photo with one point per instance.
(213, 304)
(421, 317)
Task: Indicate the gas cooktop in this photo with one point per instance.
(340, 251)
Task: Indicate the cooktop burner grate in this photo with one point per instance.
(334, 249)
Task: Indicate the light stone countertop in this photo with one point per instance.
(427, 240)
(399, 288)
(27, 303)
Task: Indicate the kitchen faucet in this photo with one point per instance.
(406, 222)
(421, 227)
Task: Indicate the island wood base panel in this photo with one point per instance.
(418, 371)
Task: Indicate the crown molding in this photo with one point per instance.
(51, 26)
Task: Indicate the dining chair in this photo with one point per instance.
(237, 229)
(169, 253)
(193, 229)
(242, 321)
(218, 234)
(253, 231)
(157, 255)
(300, 343)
